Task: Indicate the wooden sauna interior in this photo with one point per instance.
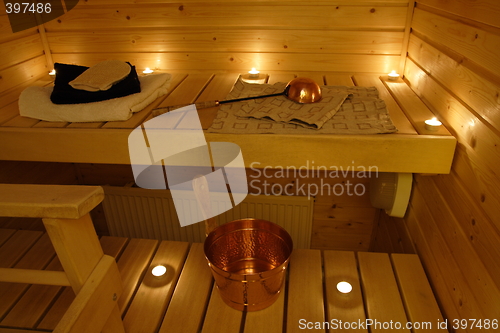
(446, 52)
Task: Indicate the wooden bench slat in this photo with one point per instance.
(153, 295)
(221, 318)
(218, 88)
(398, 117)
(280, 77)
(381, 294)
(305, 289)
(342, 266)
(338, 80)
(419, 300)
(192, 292)
(416, 111)
(48, 201)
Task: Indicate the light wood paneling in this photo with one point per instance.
(453, 220)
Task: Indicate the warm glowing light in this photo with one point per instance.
(393, 76)
(254, 73)
(432, 124)
(159, 270)
(148, 71)
(344, 287)
(52, 72)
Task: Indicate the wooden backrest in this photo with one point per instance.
(93, 276)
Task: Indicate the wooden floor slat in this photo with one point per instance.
(346, 307)
(381, 294)
(36, 258)
(192, 292)
(152, 297)
(305, 290)
(186, 300)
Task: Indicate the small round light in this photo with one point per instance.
(344, 287)
(159, 270)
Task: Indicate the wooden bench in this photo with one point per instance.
(412, 150)
(388, 290)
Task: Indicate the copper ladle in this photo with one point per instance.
(300, 90)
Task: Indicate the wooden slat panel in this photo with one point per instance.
(420, 304)
(397, 115)
(380, 291)
(472, 42)
(20, 121)
(478, 92)
(270, 3)
(485, 11)
(199, 40)
(154, 294)
(221, 318)
(341, 266)
(305, 289)
(192, 292)
(209, 14)
(233, 62)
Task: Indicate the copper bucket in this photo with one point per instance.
(248, 259)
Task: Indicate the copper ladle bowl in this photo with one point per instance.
(303, 90)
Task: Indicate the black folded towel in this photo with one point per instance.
(63, 93)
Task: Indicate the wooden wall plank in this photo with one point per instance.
(485, 11)
(443, 265)
(478, 45)
(475, 244)
(482, 142)
(243, 62)
(472, 88)
(19, 50)
(216, 40)
(244, 15)
(20, 73)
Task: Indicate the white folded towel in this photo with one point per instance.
(34, 102)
